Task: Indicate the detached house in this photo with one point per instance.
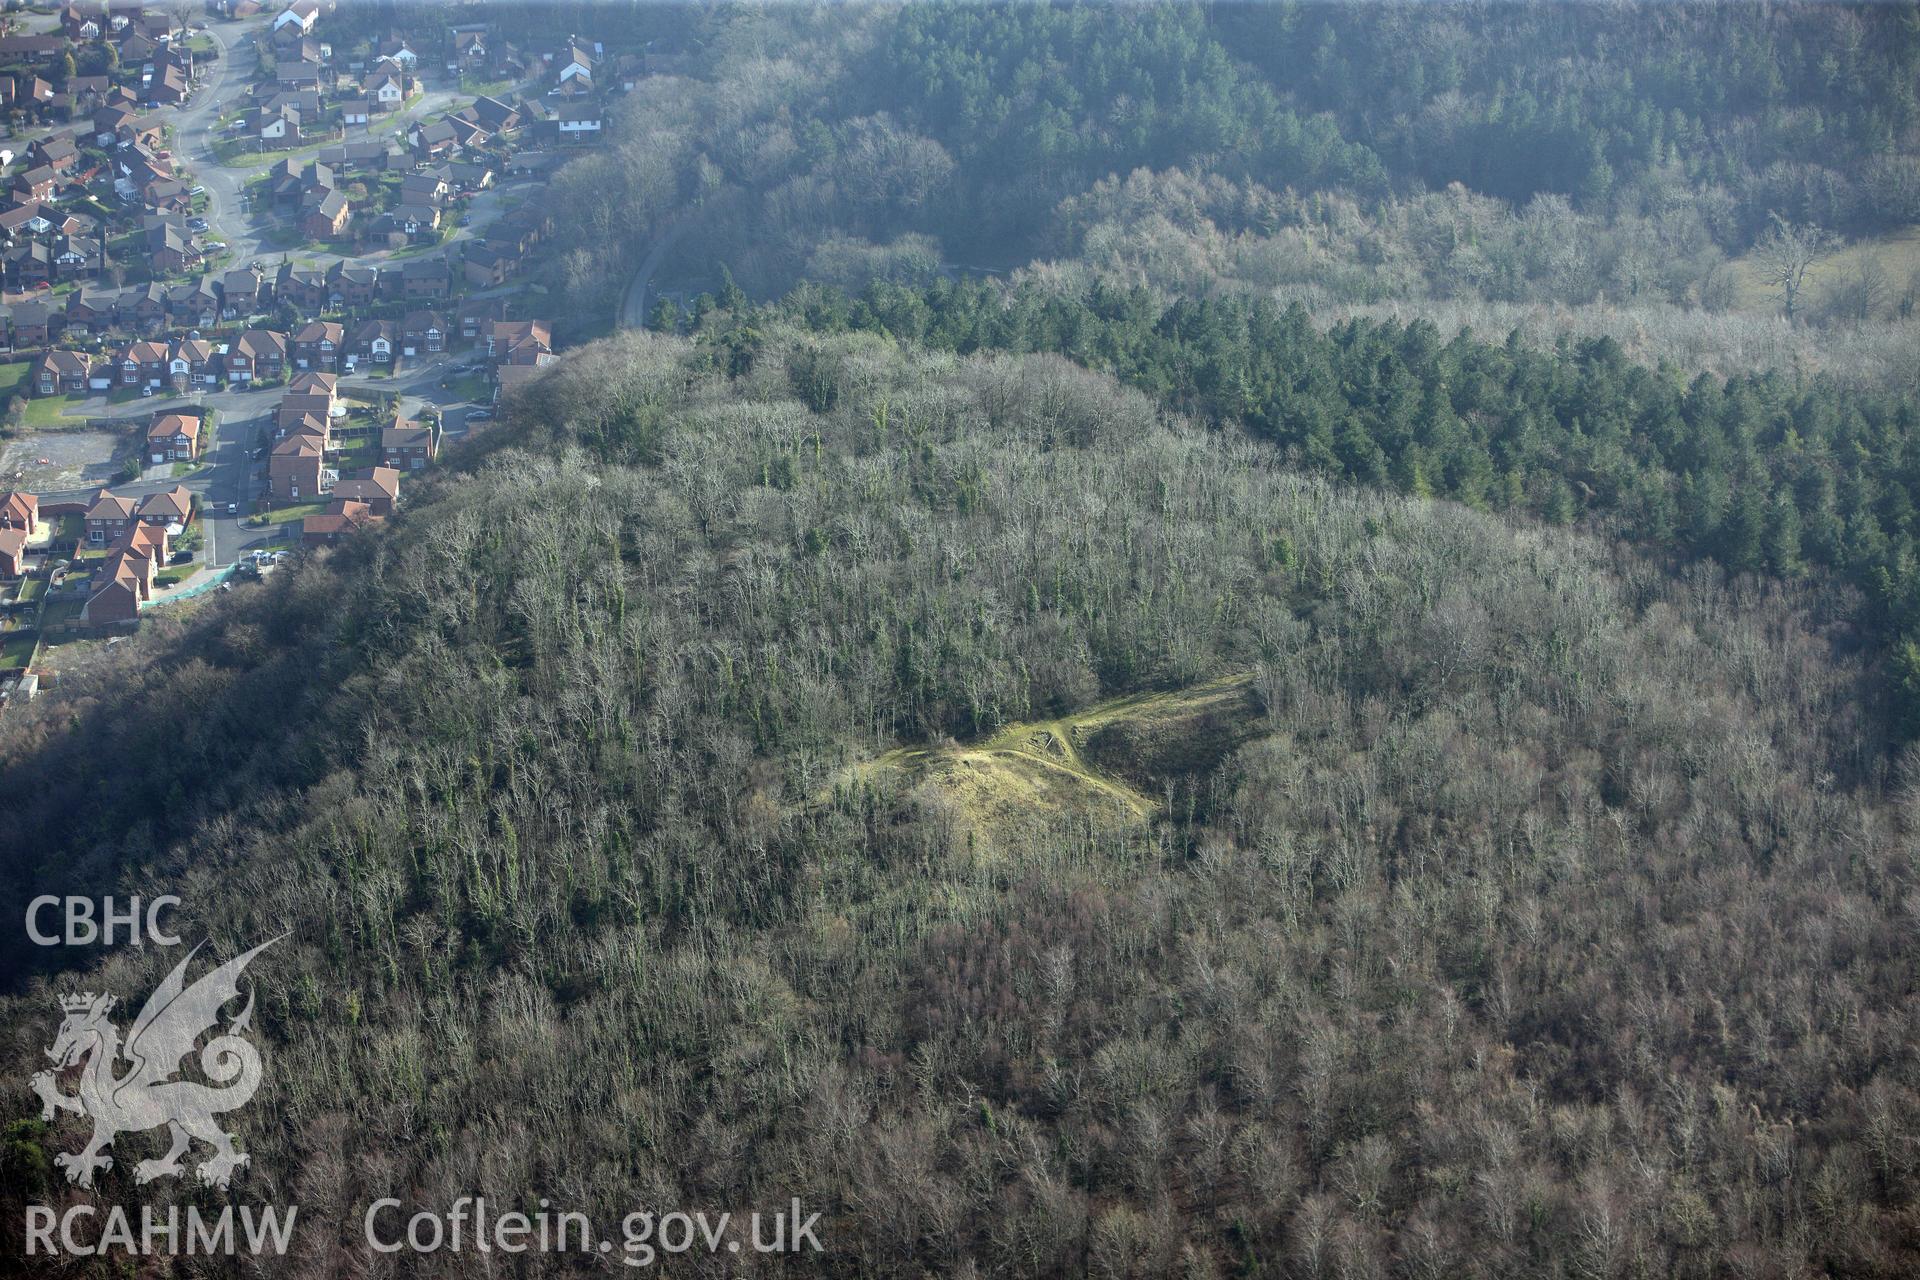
(300, 15)
(294, 468)
(108, 518)
(240, 292)
(173, 436)
(427, 280)
(258, 355)
(578, 122)
(325, 216)
(22, 510)
(422, 333)
(59, 372)
(407, 445)
(126, 580)
(373, 341)
(520, 342)
(34, 324)
(169, 506)
(341, 519)
(191, 363)
(142, 364)
(378, 487)
(385, 88)
(317, 346)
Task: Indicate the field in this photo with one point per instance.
(11, 376)
(1898, 254)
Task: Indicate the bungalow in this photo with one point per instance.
(424, 188)
(174, 436)
(31, 48)
(407, 445)
(297, 73)
(59, 372)
(466, 175)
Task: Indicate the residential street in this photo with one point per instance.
(234, 476)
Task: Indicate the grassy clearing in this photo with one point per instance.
(1090, 764)
(45, 411)
(16, 649)
(1899, 255)
(12, 375)
(297, 512)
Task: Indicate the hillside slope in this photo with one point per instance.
(1520, 911)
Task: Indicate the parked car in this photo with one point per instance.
(479, 415)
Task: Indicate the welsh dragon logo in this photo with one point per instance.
(146, 1096)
